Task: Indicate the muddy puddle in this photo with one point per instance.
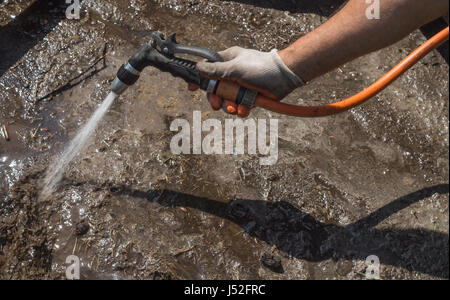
(373, 181)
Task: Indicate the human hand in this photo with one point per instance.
(264, 72)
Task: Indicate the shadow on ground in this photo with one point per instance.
(431, 29)
(321, 7)
(28, 29)
(302, 236)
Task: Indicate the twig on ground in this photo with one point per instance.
(5, 132)
(71, 82)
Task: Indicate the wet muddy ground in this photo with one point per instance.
(373, 181)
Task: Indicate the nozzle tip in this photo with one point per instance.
(118, 87)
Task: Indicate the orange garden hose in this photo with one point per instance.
(361, 97)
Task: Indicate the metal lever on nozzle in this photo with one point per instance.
(160, 53)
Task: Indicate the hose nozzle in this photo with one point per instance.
(126, 76)
(160, 53)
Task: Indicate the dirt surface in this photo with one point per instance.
(373, 181)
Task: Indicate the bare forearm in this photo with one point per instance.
(350, 34)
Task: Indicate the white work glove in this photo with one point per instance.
(264, 72)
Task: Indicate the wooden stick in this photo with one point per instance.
(5, 132)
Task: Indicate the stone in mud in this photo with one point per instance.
(237, 210)
(160, 276)
(273, 263)
(273, 177)
(82, 228)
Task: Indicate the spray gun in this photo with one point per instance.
(160, 53)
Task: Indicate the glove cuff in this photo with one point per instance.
(294, 80)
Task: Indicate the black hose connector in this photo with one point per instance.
(126, 76)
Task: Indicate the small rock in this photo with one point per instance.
(101, 149)
(82, 228)
(273, 177)
(237, 210)
(273, 263)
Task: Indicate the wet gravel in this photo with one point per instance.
(373, 181)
